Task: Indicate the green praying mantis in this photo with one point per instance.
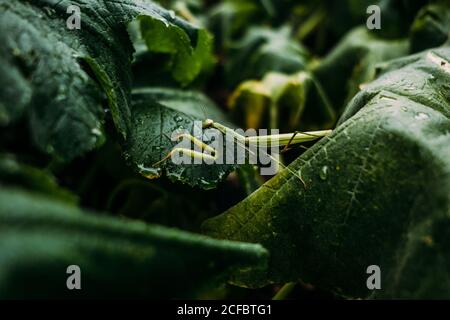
(207, 152)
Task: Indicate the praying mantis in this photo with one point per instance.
(209, 153)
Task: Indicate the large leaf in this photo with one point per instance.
(352, 63)
(377, 192)
(118, 258)
(58, 76)
(155, 123)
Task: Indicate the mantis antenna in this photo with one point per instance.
(204, 111)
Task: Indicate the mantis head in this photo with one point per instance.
(208, 123)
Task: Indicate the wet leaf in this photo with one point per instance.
(374, 188)
(58, 77)
(160, 114)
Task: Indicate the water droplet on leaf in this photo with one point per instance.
(324, 173)
(421, 116)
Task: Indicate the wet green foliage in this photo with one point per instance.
(87, 115)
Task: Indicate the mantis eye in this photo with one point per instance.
(207, 123)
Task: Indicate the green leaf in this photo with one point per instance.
(157, 114)
(431, 26)
(267, 103)
(117, 257)
(61, 101)
(59, 76)
(187, 59)
(374, 188)
(228, 18)
(13, 173)
(262, 50)
(15, 94)
(249, 178)
(353, 63)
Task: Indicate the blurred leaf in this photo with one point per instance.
(396, 16)
(13, 173)
(352, 63)
(279, 101)
(374, 187)
(249, 178)
(262, 50)
(431, 28)
(167, 204)
(118, 258)
(154, 124)
(229, 18)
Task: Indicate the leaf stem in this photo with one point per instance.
(284, 292)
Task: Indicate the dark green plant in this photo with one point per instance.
(87, 115)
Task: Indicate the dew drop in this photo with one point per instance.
(324, 173)
(178, 119)
(421, 116)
